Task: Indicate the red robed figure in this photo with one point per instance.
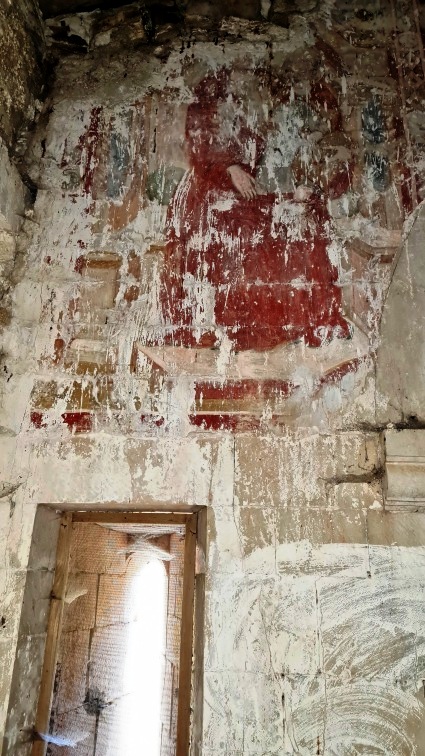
(271, 286)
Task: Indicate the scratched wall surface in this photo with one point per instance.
(226, 212)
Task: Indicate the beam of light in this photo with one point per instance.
(140, 725)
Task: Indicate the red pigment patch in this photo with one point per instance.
(225, 422)
(79, 422)
(157, 420)
(59, 347)
(131, 294)
(405, 186)
(134, 266)
(87, 145)
(335, 375)
(80, 264)
(37, 419)
(264, 306)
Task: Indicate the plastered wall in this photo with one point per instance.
(182, 336)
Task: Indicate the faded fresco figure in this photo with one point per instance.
(248, 228)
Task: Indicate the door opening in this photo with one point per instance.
(118, 663)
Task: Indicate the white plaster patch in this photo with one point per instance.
(340, 640)
(63, 473)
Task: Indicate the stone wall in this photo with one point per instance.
(22, 54)
(183, 335)
(21, 80)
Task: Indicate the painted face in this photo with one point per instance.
(245, 107)
(246, 88)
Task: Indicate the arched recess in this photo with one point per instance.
(400, 372)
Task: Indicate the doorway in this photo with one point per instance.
(118, 665)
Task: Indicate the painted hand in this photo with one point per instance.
(243, 182)
(302, 193)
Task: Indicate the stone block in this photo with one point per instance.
(17, 392)
(242, 711)
(107, 661)
(99, 287)
(349, 496)
(281, 9)
(12, 586)
(94, 395)
(322, 526)
(249, 9)
(44, 539)
(91, 356)
(24, 691)
(225, 549)
(28, 298)
(406, 443)
(96, 549)
(311, 701)
(277, 615)
(6, 669)
(295, 471)
(400, 355)
(222, 473)
(78, 471)
(259, 472)
(16, 521)
(223, 711)
(179, 472)
(373, 628)
(71, 676)
(114, 600)
(8, 448)
(263, 714)
(36, 602)
(256, 528)
(7, 246)
(301, 558)
(347, 455)
(12, 195)
(396, 528)
(405, 469)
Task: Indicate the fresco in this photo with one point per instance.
(239, 225)
(254, 201)
(223, 214)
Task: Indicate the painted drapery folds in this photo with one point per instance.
(248, 207)
(261, 254)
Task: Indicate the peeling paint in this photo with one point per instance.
(180, 336)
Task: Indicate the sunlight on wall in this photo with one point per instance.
(144, 663)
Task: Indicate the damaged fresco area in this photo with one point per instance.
(218, 221)
(232, 219)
